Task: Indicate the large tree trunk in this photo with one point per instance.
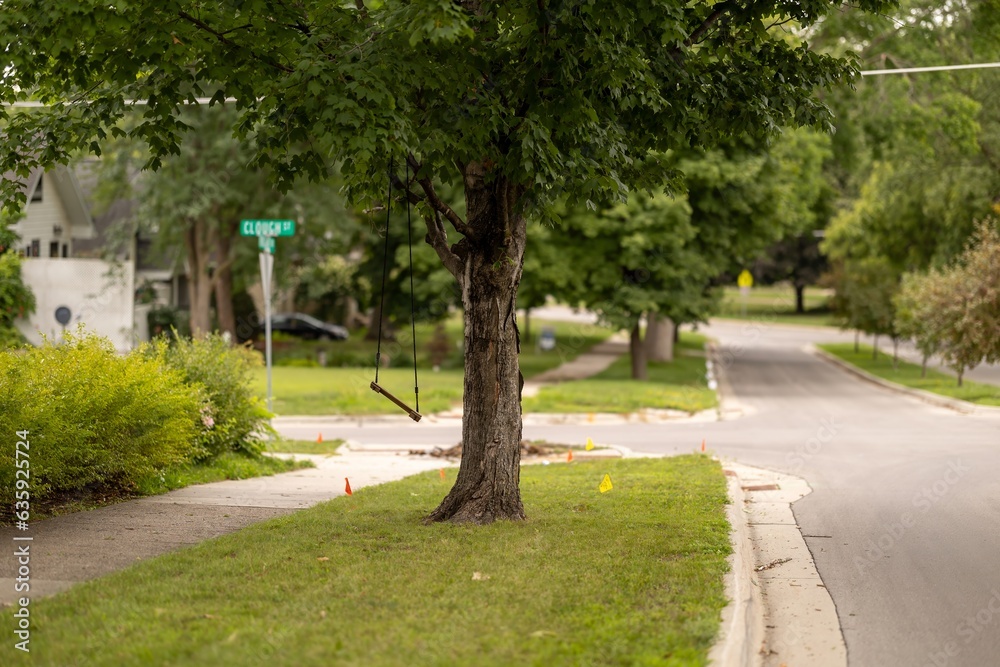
(199, 279)
(659, 338)
(800, 300)
(638, 353)
(487, 264)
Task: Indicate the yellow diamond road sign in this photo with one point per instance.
(745, 279)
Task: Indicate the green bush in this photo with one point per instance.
(10, 337)
(96, 419)
(236, 418)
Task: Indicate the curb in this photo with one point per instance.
(958, 405)
(742, 625)
(780, 612)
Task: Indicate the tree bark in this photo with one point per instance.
(487, 264)
(923, 367)
(659, 338)
(875, 347)
(857, 341)
(638, 353)
(199, 280)
(800, 300)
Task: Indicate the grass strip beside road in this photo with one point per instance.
(628, 577)
(909, 375)
(677, 385)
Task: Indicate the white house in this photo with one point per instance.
(88, 290)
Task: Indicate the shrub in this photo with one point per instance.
(96, 419)
(236, 418)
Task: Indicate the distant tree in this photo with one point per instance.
(919, 304)
(16, 298)
(865, 293)
(633, 259)
(795, 259)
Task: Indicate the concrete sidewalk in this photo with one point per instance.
(86, 545)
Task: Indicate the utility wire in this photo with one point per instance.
(870, 72)
(936, 68)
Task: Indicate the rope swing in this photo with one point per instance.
(413, 414)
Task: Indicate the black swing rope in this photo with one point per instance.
(413, 414)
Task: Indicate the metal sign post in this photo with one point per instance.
(266, 231)
(266, 274)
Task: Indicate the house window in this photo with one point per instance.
(54, 249)
(65, 250)
(36, 248)
(37, 194)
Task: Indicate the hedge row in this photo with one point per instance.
(100, 421)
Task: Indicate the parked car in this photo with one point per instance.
(306, 326)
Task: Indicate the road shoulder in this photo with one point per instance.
(780, 612)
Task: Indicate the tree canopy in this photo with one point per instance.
(525, 104)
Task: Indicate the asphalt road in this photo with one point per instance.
(904, 518)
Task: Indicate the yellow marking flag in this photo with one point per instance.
(590, 444)
(605, 484)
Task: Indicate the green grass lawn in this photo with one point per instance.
(571, 339)
(347, 391)
(775, 304)
(226, 466)
(629, 577)
(679, 385)
(908, 375)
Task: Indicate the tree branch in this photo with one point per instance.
(717, 11)
(221, 36)
(432, 198)
(437, 238)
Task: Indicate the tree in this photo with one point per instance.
(16, 299)
(745, 198)
(865, 294)
(796, 259)
(636, 258)
(918, 155)
(959, 306)
(919, 304)
(523, 103)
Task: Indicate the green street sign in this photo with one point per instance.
(267, 228)
(266, 244)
